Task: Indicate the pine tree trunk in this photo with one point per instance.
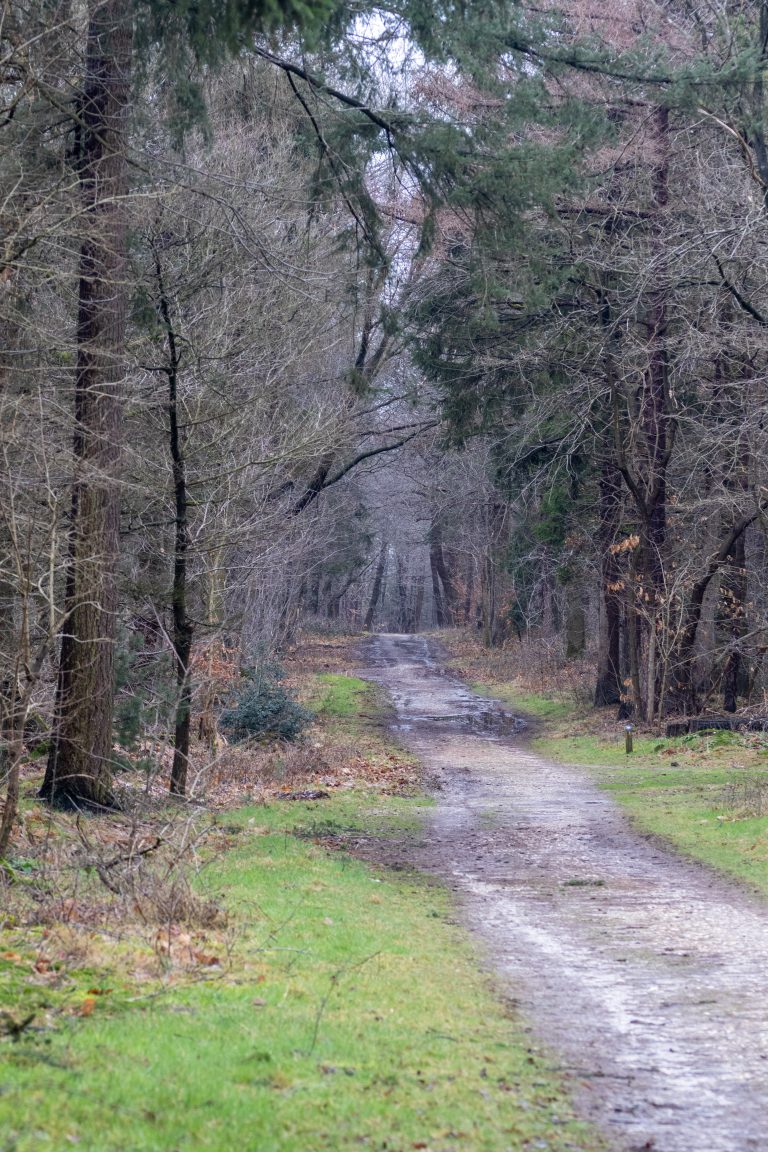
(79, 765)
(656, 422)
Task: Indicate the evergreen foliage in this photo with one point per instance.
(212, 29)
(264, 708)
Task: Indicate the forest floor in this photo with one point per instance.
(235, 973)
(642, 969)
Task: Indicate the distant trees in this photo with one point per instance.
(198, 299)
(616, 356)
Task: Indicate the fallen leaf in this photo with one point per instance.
(87, 1007)
(208, 961)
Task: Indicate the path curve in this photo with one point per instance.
(646, 974)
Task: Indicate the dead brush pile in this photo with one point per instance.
(323, 761)
(115, 891)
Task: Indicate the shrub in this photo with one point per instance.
(264, 707)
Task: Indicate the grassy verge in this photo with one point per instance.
(338, 1008)
(538, 705)
(706, 794)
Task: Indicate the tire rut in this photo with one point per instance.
(646, 974)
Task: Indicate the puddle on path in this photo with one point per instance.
(646, 975)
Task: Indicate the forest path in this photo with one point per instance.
(645, 974)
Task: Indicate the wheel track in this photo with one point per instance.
(646, 974)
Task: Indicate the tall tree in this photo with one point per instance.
(79, 764)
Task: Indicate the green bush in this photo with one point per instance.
(264, 707)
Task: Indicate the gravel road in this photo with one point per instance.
(646, 975)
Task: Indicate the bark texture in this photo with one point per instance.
(79, 765)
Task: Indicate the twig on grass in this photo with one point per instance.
(334, 982)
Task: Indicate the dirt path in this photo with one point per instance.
(647, 975)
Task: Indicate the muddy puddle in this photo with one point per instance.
(646, 975)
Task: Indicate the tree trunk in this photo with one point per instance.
(733, 589)
(735, 598)
(655, 420)
(685, 686)
(418, 604)
(183, 628)
(11, 752)
(445, 604)
(402, 596)
(650, 703)
(79, 765)
(10, 768)
(634, 641)
(437, 591)
(488, 599)
(376, 591)
(314, 592)
(575, 622)
(469, 591)
(608, 687)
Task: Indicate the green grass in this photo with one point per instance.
(353, 1015)
(348, 1011)
(335, 694)
(539, 705)
(691, 809)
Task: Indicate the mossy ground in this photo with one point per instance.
(535, 704)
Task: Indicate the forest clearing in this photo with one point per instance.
(383, 574)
